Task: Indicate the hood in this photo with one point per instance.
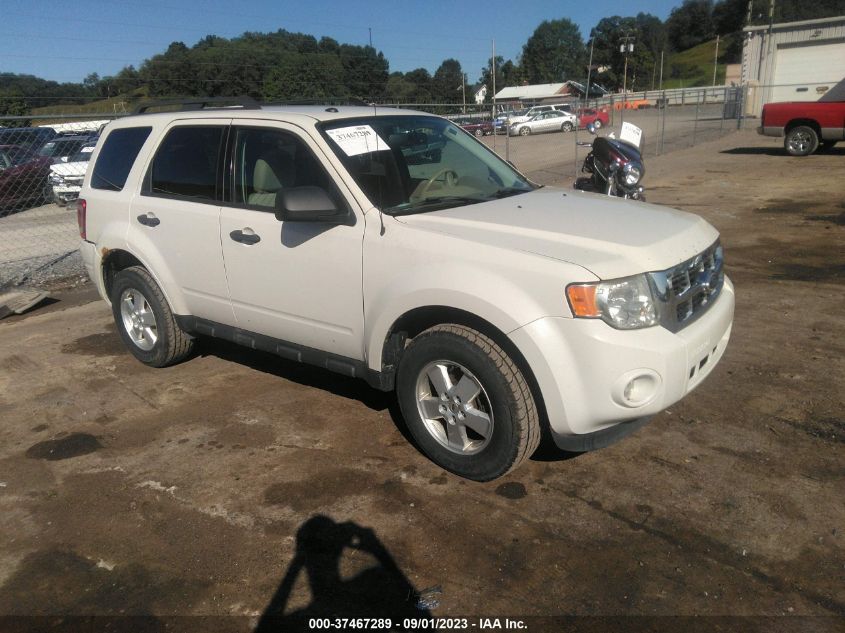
(70, 169)
(610, 237)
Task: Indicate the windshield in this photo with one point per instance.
(82, 156)
(411, 164)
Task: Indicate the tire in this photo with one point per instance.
(524, 131)
(138, 301)
(566, 127)
(454, 361)
(597, 124)
(801, 140)
(479, 133)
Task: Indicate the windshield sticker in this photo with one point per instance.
(631, 134)
(357, 139)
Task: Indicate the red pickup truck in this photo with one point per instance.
(806, 125)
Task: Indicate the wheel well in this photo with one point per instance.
(115, 261)
(808, 122)
(418, 320)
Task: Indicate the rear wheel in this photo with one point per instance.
(566, 127)
(801, 141)
(479, 132)
(144, 320)
(597, 124)
(467, 403)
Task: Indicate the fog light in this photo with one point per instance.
(636, 388)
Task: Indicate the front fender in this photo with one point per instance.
(476, 291)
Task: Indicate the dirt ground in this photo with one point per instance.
(238, 484)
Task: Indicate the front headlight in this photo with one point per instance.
(632, 174)
(626, 304)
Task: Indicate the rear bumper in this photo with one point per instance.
(93, 262)
(584, 368)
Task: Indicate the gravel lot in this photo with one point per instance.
(238, 484)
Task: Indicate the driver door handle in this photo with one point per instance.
(245, 236)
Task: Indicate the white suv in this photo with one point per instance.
(392, 246)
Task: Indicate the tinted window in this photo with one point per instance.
(117, 156)
(269, 161)
(185, 164)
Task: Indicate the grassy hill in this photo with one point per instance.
(694, 66)
(120, 104)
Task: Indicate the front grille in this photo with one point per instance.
(685, 292)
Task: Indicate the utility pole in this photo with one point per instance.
(493, 78)
(716, 60)
(626, 47)
(660, 85)
(589, 70)
(371, 36)
(464, 90)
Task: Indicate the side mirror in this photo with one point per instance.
(308, 204)
(591, 128)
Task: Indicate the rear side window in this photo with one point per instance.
(117, 157)
(185, 165)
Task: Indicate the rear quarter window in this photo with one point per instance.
(117, 156)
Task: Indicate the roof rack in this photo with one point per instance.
(198, 103)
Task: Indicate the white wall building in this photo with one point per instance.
(793, 61)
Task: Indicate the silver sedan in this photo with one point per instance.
(553, 121)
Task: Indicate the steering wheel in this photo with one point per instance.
(450, 180)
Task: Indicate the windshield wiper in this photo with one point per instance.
(510, 191)
(433, 204)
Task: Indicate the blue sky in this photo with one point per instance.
(66, 40)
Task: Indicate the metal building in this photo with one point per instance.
(793, 61)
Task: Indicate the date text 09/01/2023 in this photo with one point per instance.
(417, 624)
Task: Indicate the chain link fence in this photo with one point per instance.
(43, 159)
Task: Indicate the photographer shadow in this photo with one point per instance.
(379, 591)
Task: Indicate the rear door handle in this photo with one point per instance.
(148, 219)
(245, 236)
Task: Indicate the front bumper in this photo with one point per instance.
(583, 367)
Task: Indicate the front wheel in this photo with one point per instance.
(597, 124)
(566, 127)
(479, 132)
(524, 131)
(801, 141)
(144, 320)
(466, 403)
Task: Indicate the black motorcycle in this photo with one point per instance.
(615, 167)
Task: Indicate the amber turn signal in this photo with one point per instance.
(582, 300)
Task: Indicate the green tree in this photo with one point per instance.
(447, 82)
(646, 34)
(507, 74)
(554, 52)
(690, 24)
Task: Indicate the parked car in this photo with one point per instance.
(23, 177)
(27, 137)
(500, 123)
(387, 245)
(540, 109)
(61, 148)
(66, 178)
(551, 121)
(807, 126)
(599, 118)
(478, 128)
